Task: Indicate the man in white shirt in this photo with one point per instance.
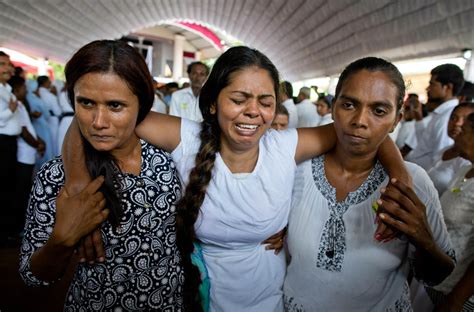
(10, 128)
(286, 99)
(185, 102)
(29, 147)
(51, 101)
(307, 113)
(445, 83)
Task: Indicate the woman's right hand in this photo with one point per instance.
(79, 215)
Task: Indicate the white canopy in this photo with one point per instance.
(304, 38)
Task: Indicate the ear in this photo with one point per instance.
(213, 108)
(449, 88)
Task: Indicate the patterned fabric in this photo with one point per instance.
(291, 306)
(403, 304)
(142, 268)
(333, 244)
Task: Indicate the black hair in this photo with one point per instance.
(449, 73)
(117, 57)
(42, 80)
(229, 63)
(190, 67)
(287, 89)
(281, 110)
(373, 64)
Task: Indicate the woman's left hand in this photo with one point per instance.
(276, 241)
(404, 211)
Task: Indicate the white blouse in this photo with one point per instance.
(336, 264)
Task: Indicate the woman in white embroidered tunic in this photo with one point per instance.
(456, 292)
(112, 90)
(239, 176)
(336, 262)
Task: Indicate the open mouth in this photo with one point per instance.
(246, 129)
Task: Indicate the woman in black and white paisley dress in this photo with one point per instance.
(112, 92)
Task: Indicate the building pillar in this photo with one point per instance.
(178, 57)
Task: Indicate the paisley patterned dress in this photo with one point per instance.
(142, 269)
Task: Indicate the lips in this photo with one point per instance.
(355, 138)
(101, 138)
(246, 129)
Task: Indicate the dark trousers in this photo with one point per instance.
(24, 180)
(8, 148)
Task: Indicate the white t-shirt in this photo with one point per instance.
(435, 137)
(184, 104)
(292, 112)
(238, 213)
(407, 130)
(458, 209)
(9, 121)
(307, 114)
(26, 154)
(336, 264)
(444, 171)
(159, 106)
(326, 119)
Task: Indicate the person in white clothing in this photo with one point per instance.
(337, 263)
(307, 114)
(30, 147)
(445, 83)
(407, 129)
(51, 101)
(286, 99)
(66, 119)
(448, 163)
(185, 102)
(456, 292)
(239, 178)
(10, 128)
(323, 106)
(280, 122)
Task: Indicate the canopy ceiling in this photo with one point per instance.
(304, 38)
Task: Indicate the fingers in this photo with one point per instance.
(98, 245)
(393, 208)
(81, 254)
(405, 190)
(94, 186)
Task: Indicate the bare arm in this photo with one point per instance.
(160, 130)
(463, 290)
(315, 141)
(391, 159)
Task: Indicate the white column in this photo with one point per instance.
(197, 55)
(178, 57)
(42, 64)
(469, 68)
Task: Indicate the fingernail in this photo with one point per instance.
(382, 190)
(91, 262)
(379, 201)
(393, 180)
(82, 260)
(101, 259)
(377, 236)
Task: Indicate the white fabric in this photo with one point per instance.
(435, 137)
(52, 105)
(373, 274)
(326, 119)
(9, 121)
(26, 154)
(184, 104)
(394, 134)
(64, 104)
(443, 172)
(238, 213)
(307, 114)
(292, 112)
(159, 106)
(407, 130)
(65, 121)
(458, 210)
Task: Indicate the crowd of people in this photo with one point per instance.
(182, 199)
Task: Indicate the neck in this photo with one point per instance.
(196, 91)
(352, 164)
(239, 161)
(129, 157)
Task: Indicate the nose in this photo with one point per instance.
(251, 109)
(100, 120)
(360, 118)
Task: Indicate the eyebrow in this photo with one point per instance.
(249, 95)
(356, 101)
(83, 98)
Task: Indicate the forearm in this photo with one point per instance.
(26, 135)
(432, 265)
(77, 176)
(391, 159)
(50, 261)
(464, 289)
(313, 142)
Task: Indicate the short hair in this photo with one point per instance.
(449, 73)
(172, 85)
(15, 82)
(281, 110)
(306, 91)
(18, 71)
(190, 67)
(42, 80)
(374, 64)
(286, 88)
(326, 99)
(412, 95)
(4, 54)
(467, 91)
